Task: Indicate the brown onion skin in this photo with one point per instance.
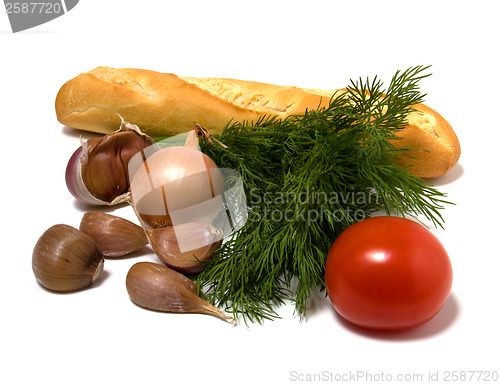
(176, 178)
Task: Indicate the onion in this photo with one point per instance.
(176, 185)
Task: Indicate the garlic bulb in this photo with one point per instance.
(115, 236)
(157, 287)
(97, 172)
(184, 247)
(178, 180)
(65, 259)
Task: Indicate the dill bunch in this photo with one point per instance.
(306, 179)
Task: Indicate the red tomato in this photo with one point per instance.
(388, 273)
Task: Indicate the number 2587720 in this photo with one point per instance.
(27, 8)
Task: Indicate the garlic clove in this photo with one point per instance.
(97, 173)
(65, 259)
(185, 247)
(157, 287)
(115, 236)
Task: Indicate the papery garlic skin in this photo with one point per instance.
(65, 259)
(74, 180)
(115, 236)
(157, 287)
(97, 172)
(105, 172)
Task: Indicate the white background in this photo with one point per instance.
(98, 335)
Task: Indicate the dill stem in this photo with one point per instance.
(267, 133)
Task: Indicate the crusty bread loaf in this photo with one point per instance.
(437, 148)
(163, 104)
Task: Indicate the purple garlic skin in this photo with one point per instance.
(97, 172)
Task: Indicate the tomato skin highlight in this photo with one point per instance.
(388, 273)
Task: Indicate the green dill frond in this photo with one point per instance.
(307, 178)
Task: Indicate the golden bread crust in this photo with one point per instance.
(163, 104)
(436, 146)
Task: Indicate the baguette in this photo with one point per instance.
(163, 104)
